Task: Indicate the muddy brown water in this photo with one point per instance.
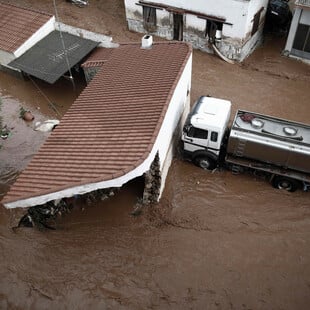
(215, 240)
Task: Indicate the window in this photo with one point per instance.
(211, 28)
(256, 22)
(149, 16)
(178, 27)
(302, 38)
(214, 136)
(198, 133)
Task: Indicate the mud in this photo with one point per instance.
(215, 241)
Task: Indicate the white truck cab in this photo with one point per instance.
(205, 129)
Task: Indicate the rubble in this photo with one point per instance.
(44, 216)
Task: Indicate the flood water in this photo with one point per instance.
(215, 240)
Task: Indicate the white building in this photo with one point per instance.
(298, 40)
(235, 27)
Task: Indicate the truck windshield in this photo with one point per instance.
(197, 133)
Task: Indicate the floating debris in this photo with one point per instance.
(44, 216)
(47, 125)
(5, 132)
(138, 207)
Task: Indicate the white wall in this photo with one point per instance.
(254, 7)
(234, 11)
(237, 41)
(105, 41)
(305, 17)
(36, 37)
(180, 102)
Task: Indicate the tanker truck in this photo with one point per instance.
(276, 148)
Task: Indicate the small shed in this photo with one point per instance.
(34, 43)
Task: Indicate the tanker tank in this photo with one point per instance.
(270, 140)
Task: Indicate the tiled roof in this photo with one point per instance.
(18, 24)
(111, 128)
(98, 57)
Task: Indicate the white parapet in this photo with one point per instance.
(105, 41)
(41, 33)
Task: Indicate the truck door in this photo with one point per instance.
(195, 139)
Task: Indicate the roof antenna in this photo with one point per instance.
(63, 46)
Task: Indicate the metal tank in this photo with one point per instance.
(270, 140)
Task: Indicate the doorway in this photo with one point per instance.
(177, 27)
(301, 45)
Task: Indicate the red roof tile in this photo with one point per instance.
(98, 57)
(18, 24)
(111, 128)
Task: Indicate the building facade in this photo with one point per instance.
(298, 40)
(233, 28)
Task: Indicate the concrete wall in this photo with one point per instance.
(236, 42)
(105, 41)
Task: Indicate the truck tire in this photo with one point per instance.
(205, 162)
(288, 184)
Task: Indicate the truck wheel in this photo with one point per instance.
(205, 163)
(285, 183)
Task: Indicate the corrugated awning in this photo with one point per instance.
(52, 57)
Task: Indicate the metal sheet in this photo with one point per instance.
(52, 57)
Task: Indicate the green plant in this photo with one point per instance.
(22, 111)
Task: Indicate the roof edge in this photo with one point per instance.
(82, 189)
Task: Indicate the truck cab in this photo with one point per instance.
(204, 131)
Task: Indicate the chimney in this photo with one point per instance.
(147, 41)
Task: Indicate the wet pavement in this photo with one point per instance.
(215, 241)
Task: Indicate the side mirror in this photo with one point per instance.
(186, 128)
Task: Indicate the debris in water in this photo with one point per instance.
(138, 208)
(47, 125)
(44, 216)
(5, 132)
